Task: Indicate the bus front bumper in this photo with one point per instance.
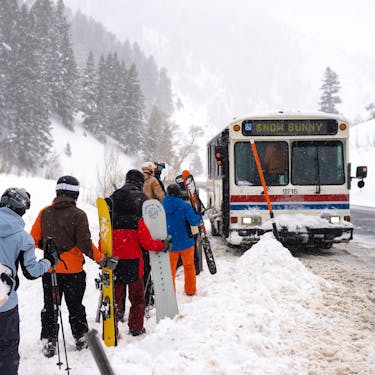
(308, 237)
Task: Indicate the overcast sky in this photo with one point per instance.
(348, 24)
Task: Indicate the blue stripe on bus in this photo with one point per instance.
(329, 206)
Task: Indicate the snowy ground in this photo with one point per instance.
(265, 312)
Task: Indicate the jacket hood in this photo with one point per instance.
(63, 201)
(172, 204)
(10, 222)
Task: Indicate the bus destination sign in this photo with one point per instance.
(289, 127)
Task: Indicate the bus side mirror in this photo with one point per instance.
(361, 172)
(219, 155)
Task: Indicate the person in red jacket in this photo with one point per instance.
(130, 235)
(68, 227)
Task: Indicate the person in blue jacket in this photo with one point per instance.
(16, 247)
(179, 215)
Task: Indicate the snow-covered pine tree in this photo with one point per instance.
(330, 90)
(148, 78)
(196, 167)
(88, 95)
(42, 12)
(164, 94)
(8, 42)
(65, 72)
(102, 99)
(371, 109)
(135, 115)
(160, 133)
(32, 136)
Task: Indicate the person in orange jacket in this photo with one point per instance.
(68, 227)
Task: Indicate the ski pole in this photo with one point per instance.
(55, 301)
(98, 353)
(260, 171)
(56, 298)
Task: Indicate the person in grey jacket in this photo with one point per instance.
(16, 248)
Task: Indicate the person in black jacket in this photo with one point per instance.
(130, 235)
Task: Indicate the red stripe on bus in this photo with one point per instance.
(292, 198)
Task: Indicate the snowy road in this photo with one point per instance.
(340, 337)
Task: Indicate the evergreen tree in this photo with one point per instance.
(65, 72)
(371, 109)
(330, 90)
(160, 133)
(33, 138)
(134, 112)
(101, 100)
(149, 78)
(88, 95)
(164, 95)
(196, 166)
(8, 57)
(28, 137)
(43, 29)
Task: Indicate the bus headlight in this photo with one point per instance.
(332, 219)
(251, 220)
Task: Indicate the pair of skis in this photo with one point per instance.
(198, 207)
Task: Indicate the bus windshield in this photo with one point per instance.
(273, 158)
(317, 163)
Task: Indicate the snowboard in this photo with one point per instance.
(165, 297)
(198, 208)
(106, 307)
(194, 229)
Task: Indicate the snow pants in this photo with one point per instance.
(187, 257)
(9, 341)
(137, 303)
(72, 286)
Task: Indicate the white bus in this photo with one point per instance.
(305, 163)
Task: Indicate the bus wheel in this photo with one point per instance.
(326, 245)
(214, 231)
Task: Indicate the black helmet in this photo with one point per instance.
(136, 177)
(67, 185)
(174, 190)
(17, 199)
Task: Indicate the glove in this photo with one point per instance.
(201, 210)
(50, 252)
(8, 281)
(53, 257)
(167, 245)
(109, 262)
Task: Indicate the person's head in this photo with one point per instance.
(67, 186)
(135, 177)
(17, 199)
(174, 190)
(148, 168)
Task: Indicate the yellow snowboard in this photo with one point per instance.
(106, 308)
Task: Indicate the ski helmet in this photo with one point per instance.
(17, 199)
(148, 167)
(174, 190)
(69, 186)
(136, 177)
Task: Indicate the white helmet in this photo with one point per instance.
(148, 167)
